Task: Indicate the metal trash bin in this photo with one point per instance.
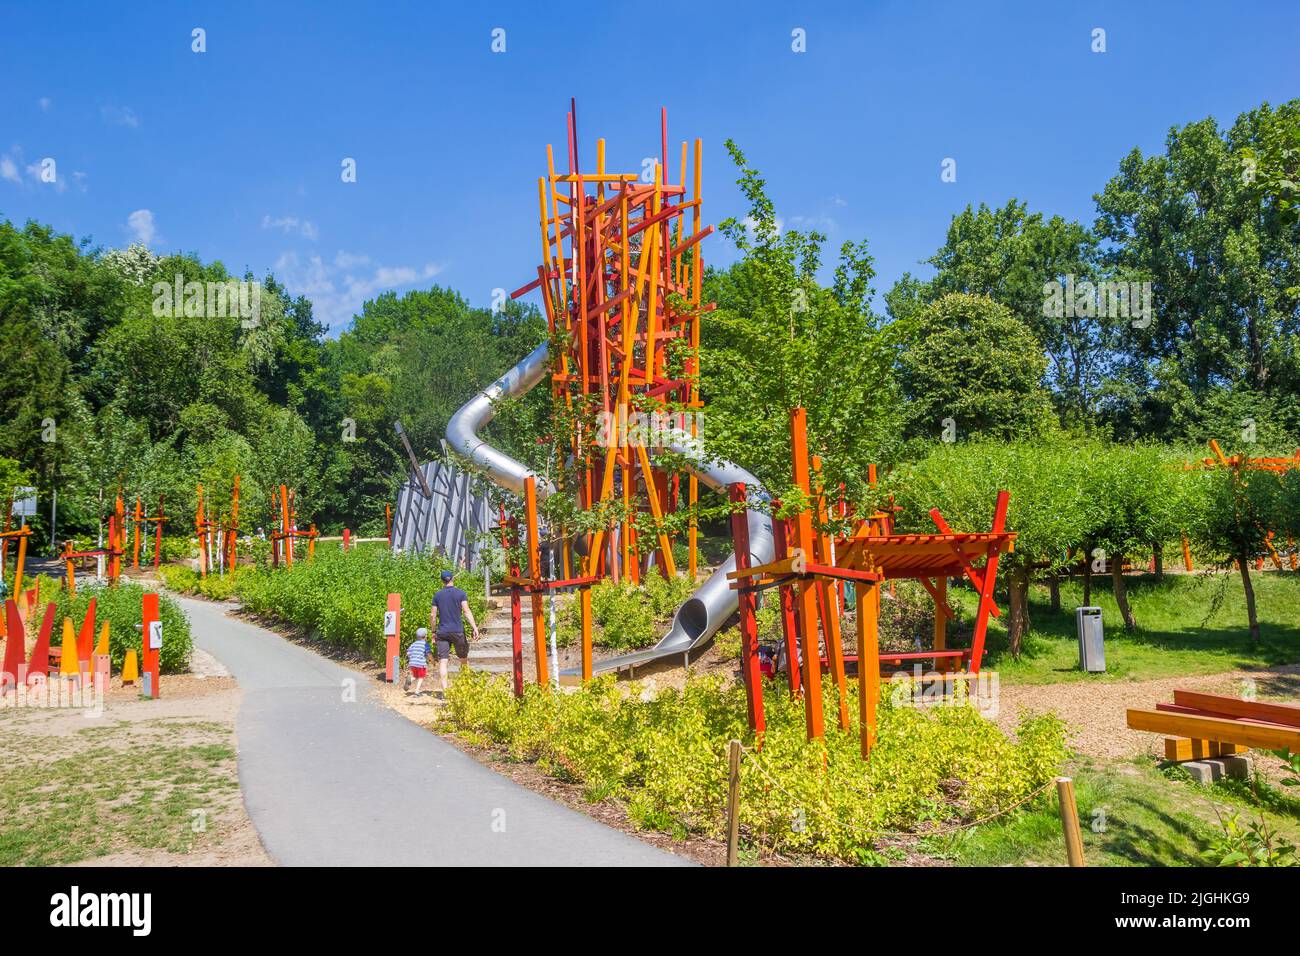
(1092, 651)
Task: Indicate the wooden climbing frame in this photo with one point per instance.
(621, 278)
(810, 563)
(537, 586)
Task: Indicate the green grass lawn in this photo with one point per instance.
(1187, 624)
(1132, 814)
(70, 798)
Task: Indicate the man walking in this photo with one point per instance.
(450, 603)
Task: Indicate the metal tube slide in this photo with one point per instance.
(705, 611)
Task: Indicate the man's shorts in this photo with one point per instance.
(445, 641)
(418, 672)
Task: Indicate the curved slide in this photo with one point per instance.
(705, 611)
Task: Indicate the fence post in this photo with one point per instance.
(733, 804)
(1070, 821)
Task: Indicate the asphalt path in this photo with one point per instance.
(332, 777)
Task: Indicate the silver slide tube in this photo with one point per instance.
(705, 611)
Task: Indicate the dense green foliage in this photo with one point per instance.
(122, 608)
(106, 386)
(626, 616)
(666, 756)
(340, 596)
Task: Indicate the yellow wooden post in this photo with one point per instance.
(868, 606)
(733, 802)
(535, 575)
(1070, 821)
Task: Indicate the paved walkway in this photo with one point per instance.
(328, 782)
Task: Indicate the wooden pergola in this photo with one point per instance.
(809, 567)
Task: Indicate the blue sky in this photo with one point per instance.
(235, 153)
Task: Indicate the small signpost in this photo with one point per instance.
(24, 502)
(393, 637)
(153, 636)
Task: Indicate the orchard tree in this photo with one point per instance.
(1237, 509)
(1049, 508)
(1141, 497)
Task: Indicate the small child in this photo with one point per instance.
(417, 656)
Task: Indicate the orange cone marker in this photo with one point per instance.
(130, 668)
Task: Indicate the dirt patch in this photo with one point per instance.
(1095, 712)
(128, 781)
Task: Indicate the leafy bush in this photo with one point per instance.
(218, 587)
(666, 756)
(340, 596)
(626, 616)
(122, 607)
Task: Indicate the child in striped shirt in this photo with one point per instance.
(417, 657)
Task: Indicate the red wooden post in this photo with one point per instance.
(748, 623)
(86, 637)
(516, 616)
(15, 646)
(827, 606)
(392, 637)
(789, 623)
(807, 599)
(152, 636)
(986, 589)
(40, 660)
(532, 537)
(347, 538)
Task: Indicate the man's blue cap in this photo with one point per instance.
(447, 575)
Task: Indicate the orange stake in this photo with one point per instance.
(535, 574)
(805, 595)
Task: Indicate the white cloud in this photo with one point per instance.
(45, 103)
(819, 223)
(349, 260)
(338, 289)
(142, 227)
(288, 224)
(9, 170)
(119, 116)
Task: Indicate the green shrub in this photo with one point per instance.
(626, 616)
(218, 587)
(340, 597)
(666, 756)
(122, 607)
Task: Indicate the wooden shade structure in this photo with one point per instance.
(809, 563)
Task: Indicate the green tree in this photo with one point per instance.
(1224, 268)
(1009, 255)
(968, 363)
(1141, 497)
(1237, 510)
(1049, 507)
(778, 339)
